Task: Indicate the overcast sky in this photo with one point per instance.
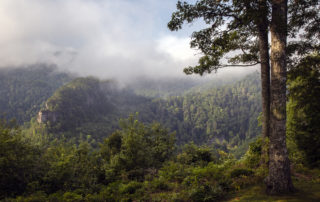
(107, 38)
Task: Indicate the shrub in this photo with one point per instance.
(35, 197)
(159, 184)
(241, 172)
(206, 192)
(71, 196)
(130, 188)
(253, 155)
(174, 171)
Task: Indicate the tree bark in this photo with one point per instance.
(265, 71)
(279, 178)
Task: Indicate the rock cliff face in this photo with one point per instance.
(45, 116)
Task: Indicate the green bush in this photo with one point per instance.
(72, 197)
(194, 155)
(206, 192)
(130, 188)
(173, 171)
(159, 184)
(39, 196)
(58, 196)
(136, 148)
(252, 157)
(241, 172)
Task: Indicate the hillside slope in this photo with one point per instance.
(23, 90)
(225, 115)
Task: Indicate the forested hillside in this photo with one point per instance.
(96, 104)
(87, 149)
(23, 90)
(225, 115)
(165, 87)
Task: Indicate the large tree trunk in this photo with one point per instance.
(279, 179)
(265, 69)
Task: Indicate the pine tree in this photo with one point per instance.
(247, 31)
(279, 178)
(243, 25)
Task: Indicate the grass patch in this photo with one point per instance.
(306, 191)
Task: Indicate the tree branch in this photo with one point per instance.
(248, 65)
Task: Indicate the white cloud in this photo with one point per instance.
(107, 38)
(178, 48)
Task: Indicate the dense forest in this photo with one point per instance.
(256, 137)
(225, 115)
(23, 90)
(109, 143)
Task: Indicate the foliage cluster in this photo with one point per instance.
(137, 162)
(304, 111)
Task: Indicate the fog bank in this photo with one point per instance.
(119, 39)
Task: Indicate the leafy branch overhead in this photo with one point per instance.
(232, 30)
(304, 27)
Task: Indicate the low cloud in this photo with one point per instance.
(118, 39)
(177, 48)
(104, 38)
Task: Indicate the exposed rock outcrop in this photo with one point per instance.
(45, 116)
